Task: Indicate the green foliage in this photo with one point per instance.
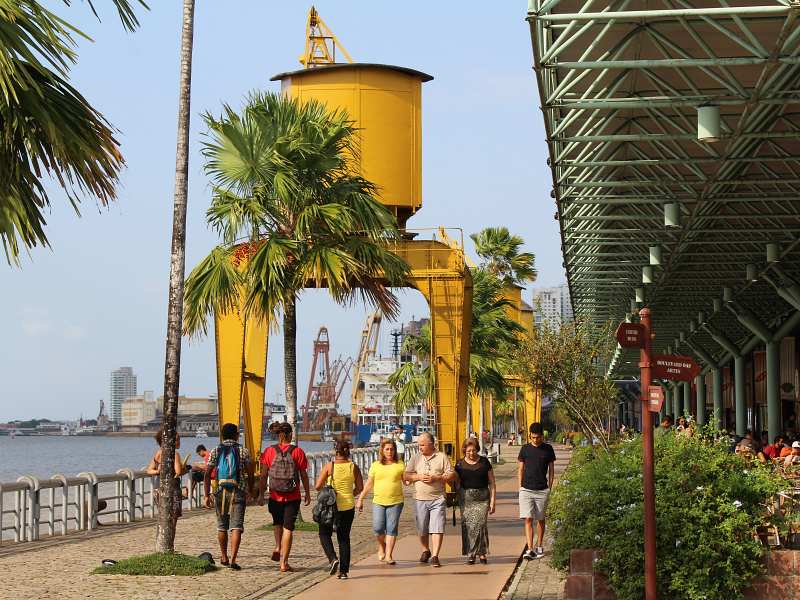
(708, 505)
(298, 526)
(158, 564)
(501, 255)
(47, 126)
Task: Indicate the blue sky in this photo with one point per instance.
(97, 301)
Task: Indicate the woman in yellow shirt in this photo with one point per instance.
(386, 476)
(345, 478)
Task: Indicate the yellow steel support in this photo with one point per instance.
(241, 373)
(438, 271)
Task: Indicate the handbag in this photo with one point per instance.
(324, 512)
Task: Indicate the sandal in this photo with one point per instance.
(276, 556)
(235, 567)
(224, 563)
(471, 560)
(287, 569)
(391, 562)
(483, 560)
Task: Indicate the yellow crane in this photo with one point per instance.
(369, 347)
(321, 43)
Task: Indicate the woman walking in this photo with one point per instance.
(476, 497)
(386, 476)
(346, 480)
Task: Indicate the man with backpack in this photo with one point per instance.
(285, 466)
(229, 462)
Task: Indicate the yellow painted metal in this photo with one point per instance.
(321, 43)
(241, 373)
(385, 104)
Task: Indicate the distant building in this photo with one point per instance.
(122, 385)
(552, 305)
(192, 405)
(137, 411)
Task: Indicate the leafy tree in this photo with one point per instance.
(283, 182)
(501, 256)
(47, 126)
(566, 362)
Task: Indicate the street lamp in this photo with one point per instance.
(750, 272)
(647, 274)
(773, 253)
(655, 255)
(672, 214)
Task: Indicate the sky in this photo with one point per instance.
(98, 299)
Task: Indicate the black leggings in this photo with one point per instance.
(344, 522)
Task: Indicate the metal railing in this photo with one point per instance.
(31, 508)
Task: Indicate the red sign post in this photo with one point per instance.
(630, 335)
(674, 367)
(655, 398)
(648, 470)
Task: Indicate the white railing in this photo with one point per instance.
(31, 508)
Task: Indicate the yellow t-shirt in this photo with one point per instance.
(343, 482)
(388, 483)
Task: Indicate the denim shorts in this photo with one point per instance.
(385, 519)
(230, 507)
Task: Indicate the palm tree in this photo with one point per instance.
(165, 533)
(48, 127)
(493, 335)
(283, 181)
(500, 253)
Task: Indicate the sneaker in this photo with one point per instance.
(539, 552)
(342, 576)
(435, 561)
(529, 555)
(334, 566)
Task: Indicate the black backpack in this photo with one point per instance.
(325, 510)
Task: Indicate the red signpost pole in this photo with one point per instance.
(648, 465)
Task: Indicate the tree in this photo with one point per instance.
(501, 255)
(283, 175)
(567, 363)
(165, 536)
(494, 333)
(48, 127)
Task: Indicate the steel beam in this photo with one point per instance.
(674, 13)
(740, 398)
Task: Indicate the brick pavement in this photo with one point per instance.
(63, 570)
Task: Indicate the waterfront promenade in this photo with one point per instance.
(61, 568)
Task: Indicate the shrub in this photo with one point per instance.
(708, 505)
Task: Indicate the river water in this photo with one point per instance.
(45, 456)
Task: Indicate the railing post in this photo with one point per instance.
(152, 496)
(129, 487)
(64, 503)
(92, 489)
(33, 500)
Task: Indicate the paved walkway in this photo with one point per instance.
(63, 569)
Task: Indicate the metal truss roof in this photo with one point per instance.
(620, 85)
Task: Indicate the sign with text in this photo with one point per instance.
(655, 398)
(674, 367)
(630, 335)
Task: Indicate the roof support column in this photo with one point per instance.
(666, 410)
(687, 398)
(676, 402)
(741, 400)
(700, 384)
(716, 374)
(773, 395)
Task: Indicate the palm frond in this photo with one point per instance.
(215, 285)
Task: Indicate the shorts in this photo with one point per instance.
(284, 514)
(386, 519)
(230, 507)
(533, 503)
(198, 475)
(430, 515)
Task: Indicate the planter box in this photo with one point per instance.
(782, 580)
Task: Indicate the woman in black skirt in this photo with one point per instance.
(476, 497)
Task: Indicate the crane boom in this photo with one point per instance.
(369, 347)
(321, 43)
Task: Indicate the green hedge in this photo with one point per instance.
(708, 505)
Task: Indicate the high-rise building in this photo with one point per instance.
(552, 305)
(122, 386)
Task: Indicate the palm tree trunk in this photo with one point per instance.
(165, 533)
(290, 359)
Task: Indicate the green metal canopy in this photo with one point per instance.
(628, 88)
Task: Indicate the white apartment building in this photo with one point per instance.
(122, 385)
(552, 305)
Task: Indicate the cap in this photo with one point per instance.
(795, 444)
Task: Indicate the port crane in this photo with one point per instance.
(325, 384)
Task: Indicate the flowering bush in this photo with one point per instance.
(708, 505)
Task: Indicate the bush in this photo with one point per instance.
(161, 564)
(708, 505)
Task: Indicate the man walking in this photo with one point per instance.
(230, 463)
(535, 472)
(284, 464)
(429, 471)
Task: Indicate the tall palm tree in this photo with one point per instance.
(283, 175)
(165, 536)
(501, 255)
(47, 126)
(493, 335)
